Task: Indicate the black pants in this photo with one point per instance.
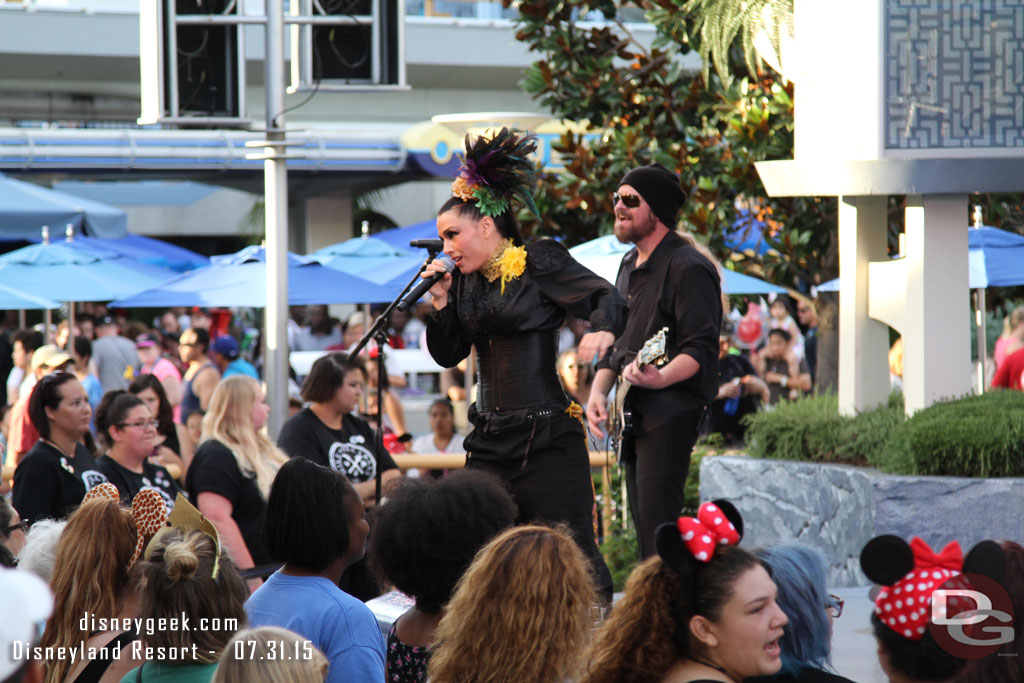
(546, 467)
(656, 475)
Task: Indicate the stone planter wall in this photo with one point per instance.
(837, 508)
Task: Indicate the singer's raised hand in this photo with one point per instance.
(439, 292)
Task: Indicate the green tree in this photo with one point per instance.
(646, 108)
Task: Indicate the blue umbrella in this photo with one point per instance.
(400, 237)
(370, 258)
(61, 272)
(604, 255)
(239, 280)
(747, 235)
(995, 258)
(12, 299)
(25, 208)
(147, 250)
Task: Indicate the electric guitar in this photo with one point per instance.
(620, 418)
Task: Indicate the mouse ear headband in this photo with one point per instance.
(149, 512)
(691, 542)
(497, 170)
(910, 573)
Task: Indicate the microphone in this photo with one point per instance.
(434, 245)
(421, 289)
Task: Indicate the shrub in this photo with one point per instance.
(808, 429)
(976, 436)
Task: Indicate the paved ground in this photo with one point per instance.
(854, 653)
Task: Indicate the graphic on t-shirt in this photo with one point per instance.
(168, 501)
(92, 479)
(354, 461)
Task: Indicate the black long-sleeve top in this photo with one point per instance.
(678, 288)
(553, 283)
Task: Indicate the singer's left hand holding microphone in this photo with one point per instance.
(439, 292)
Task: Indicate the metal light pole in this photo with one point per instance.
(275, 178)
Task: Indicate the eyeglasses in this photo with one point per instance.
(23, 525)
(631, 201)
(145, 424)
(835, 606)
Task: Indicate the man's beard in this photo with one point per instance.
(636, 231)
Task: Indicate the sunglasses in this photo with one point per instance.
(630, 201)
(23, 525)
(835, 606)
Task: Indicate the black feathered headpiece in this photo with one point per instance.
(496, 171)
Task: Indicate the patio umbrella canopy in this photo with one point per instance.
(604, 255)
(995, 258)
(370, 258)
(147, 250)
(239, 279)
(400, 237)
(25, 208)
(14, 300)
(61, 272)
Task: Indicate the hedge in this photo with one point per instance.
(976, 436)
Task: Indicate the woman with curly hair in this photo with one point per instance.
(186, 576)
(230, 475)
(425, 537)
(523, 611)
(508, 300)
(702, 611)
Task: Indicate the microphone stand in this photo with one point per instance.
(379, 332)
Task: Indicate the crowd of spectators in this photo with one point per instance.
(281, 544)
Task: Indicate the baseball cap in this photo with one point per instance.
(145, 340)
(49, 355)
(106, 320)
(226, 346)
(27, 601)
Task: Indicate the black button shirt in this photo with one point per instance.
(678, 288)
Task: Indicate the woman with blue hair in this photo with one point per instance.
(799, 574)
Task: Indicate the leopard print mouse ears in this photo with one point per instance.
(149, 512)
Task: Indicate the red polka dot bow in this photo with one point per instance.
(709, 529)
(904, 606)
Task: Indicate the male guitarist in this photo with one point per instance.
(667, 282)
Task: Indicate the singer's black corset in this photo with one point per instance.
(519, 326)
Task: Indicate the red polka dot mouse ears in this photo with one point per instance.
(691, 541)
(910, 573)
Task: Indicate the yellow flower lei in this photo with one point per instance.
(508, 263)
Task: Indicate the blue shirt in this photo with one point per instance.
(240, 366)
(339, 625)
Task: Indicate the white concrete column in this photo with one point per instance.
(328, 220)
(936, 339)
(863, 342)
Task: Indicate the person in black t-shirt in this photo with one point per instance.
(231, 472)
(329, 434)
(128, 428)
(56, 472)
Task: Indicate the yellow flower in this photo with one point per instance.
(463, 190)
(511, 264)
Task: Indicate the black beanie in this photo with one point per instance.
(660, 189)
